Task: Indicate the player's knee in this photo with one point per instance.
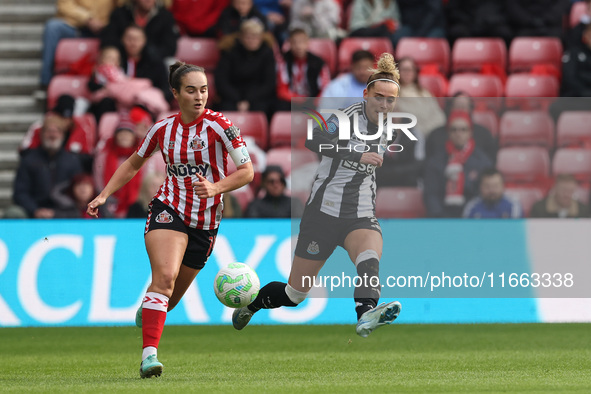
(294, 295)
(164, 283)
(368, 261)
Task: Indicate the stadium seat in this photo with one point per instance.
(470, 54)
(244, 195)
(577, 10)
(524, 166)
(375, 45)
(425, 51)
(525, 52)
(476, 85)
(74, 85)
(399, 202)
(287, 129)
(436, 84)
(107, 125)
(253, 124)
(529, 92)
(325, 48)
(573, 129)
(69, 51)
(526, 128)
(288, 158)
(200, 51)
(88, 123)
(487, 119)
(574, 161)
(526, 197)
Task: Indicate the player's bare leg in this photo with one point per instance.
(184, 279)
(276, 294)
(365, 250)
(166, 249)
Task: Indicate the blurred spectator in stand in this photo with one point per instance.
(151, 183)
(451, 176)
(108, 69)
(245, 75)
(74, 18)
(349, 87)
(231, 206)
(483, 138)
(72, 197)
(235, 14)
(477, 18)
(300, 73)
(374, 18)
(420, 18)
(319, 18)
(574, 38)
(576, 68)
(40, 170)
(561, 202)
(109, 157)
(422, 104)
(492, 202)
(156, 21)
(536, 17)
(276, 13)
(76, 140)
(275, 203)
(209, 12)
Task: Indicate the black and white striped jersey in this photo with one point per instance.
(343, 187)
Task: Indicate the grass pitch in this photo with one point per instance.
(419, 358)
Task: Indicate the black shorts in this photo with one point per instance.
(200, 245)
(320, 233)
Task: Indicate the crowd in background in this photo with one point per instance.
(265, 62)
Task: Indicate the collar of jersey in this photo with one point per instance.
(193, 123)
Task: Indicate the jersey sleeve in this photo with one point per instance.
(233, 142)
(150, 142)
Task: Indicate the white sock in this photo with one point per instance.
(148, 351)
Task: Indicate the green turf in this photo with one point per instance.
(419, 358)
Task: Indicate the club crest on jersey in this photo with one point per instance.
(164, 217)
(197, 144)
(313, 248)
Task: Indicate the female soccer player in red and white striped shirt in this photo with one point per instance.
(186, 211)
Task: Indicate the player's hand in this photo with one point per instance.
(372, 158)
(92, 208)
(204, 188)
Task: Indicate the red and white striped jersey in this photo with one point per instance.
(201, 146)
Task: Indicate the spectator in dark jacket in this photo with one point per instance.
(492, 202)
(274, 204)
(477, 18)
(561, 202)
(245, 76)
(41, 169)
(451, 176)
(536, 17)
(482, 136)
(157, 21)
(576, 68)
(237, 12)
(420, 18)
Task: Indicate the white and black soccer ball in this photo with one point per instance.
(236, 285)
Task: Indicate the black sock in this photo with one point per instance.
(272, 295)
(368, 295)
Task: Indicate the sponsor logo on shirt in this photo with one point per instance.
(184, 170)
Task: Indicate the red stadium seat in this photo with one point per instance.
(252, 124)
(287, 129)
(375, 45)
(199, 51)
(487, 119)
(525, 52)
(72, 50)
(399, 202)
(524, 165)
(470, 54)
(244, 195)
(107, 125)
(574, 129)
(425, 51)
(576, 162)
(526, 128)
(436, 84)
(325, 48)
(526, 197)
(288, 158)
(577, 10)
(476, 85)
(74, 85)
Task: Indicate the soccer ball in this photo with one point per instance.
(236, 285)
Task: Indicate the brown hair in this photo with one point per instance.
(386, 69)
(178, 70)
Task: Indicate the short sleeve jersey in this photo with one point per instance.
(200, 147)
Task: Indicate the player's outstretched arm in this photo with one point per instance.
(243, 175)
(122, 175)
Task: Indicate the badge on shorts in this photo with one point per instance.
(197, 144)
(164, 217)
(313, 248)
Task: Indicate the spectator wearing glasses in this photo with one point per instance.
(275, 203)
